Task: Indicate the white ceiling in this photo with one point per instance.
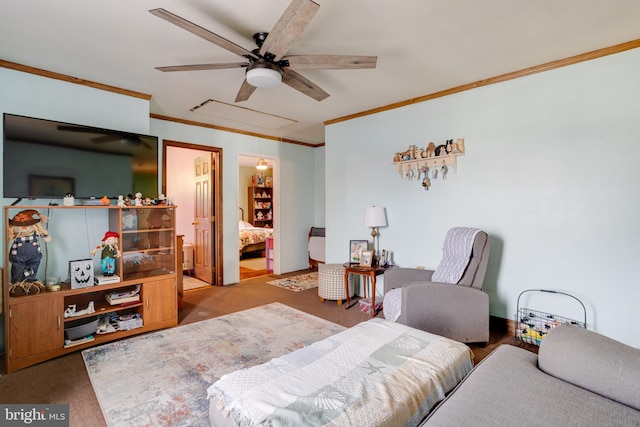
(423, 46)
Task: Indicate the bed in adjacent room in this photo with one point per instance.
(373, 374)
(252, 239)
(316, 247)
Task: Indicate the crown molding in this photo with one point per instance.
(70, 79)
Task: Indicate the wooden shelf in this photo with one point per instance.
(255, 198)
(423, 164)
(67, 291)
(103, 308)
(429, 162)
(147, 230)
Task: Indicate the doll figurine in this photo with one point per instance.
(25, 253)
(110, 252)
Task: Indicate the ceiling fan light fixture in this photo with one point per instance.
(263, 74)
(262, 165)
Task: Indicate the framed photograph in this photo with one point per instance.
(366, 259)
(355, 250)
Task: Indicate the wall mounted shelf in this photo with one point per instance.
(417, 164)
(429, 163)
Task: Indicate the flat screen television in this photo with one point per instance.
(49, 159)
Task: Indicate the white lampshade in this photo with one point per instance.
(263, 76)
(374, 216)
(262, 165)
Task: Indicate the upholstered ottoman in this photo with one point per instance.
(331, 283)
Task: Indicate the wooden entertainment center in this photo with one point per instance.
(35, 323)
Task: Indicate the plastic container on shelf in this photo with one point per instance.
(80, 328)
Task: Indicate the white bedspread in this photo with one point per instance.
(317, 248)
(373, 374)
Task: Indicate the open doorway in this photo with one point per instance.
(256, 210)
(192, 177)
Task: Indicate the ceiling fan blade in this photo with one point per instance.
(71, 128)
(109, 135)
(125, 139)
(290, 25)
(105, 138)
(105, 132)
(201, 32)
(304, 85)
(199, 67)
(330, 62)
(246, 90)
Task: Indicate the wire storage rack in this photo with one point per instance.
(533, 325)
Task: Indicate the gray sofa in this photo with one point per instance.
(579, 378)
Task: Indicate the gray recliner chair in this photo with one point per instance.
(457, 310)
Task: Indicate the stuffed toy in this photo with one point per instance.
(24, 255)
(110, 252)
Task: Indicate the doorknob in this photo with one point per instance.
(194, 223)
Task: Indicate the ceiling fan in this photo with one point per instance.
(268, 65)
(125, 138)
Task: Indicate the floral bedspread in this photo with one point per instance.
(377, 373)
(250, 236)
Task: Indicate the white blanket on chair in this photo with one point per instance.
(317, 248)
(456, 252)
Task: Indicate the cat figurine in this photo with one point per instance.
(444, 149)
(449, 146)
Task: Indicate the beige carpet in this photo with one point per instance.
(189, 283)
(254, 263)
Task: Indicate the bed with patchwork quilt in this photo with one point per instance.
(377, 373)
(252, 239)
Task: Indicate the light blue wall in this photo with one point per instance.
(319, 186)
(550, 172)
(297, 205)
(31, 95)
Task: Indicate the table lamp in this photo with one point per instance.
(374, 217)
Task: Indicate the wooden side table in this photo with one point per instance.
(371, 273)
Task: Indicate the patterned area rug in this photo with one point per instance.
(297, 283)
(161, 379)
